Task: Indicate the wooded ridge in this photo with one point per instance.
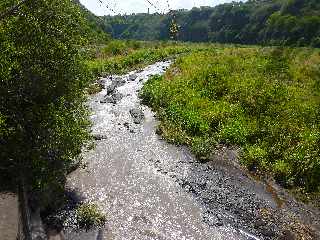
(276, 22)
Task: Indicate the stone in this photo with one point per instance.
(137, 115)
(132, 77)
(287, 235)
(126, 124)
(114, 98)
(119, 82)
(110, 89)
(99, 137)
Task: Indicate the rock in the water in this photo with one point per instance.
(118, 82)
(114, 98)
(126, 124)
(111, 88)
(132, 77)
(99, 137)
(137, 115)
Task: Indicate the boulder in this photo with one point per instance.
(117, 82)
(137, 115)
(132, 77)
(110, 89)
(114, 98)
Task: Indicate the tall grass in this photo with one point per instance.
(120, 56)
(266, 100)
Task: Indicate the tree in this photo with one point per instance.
(285, 22)
(43, 120)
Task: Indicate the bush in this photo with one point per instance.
(42, 78)
(114, 48)
(89, 216)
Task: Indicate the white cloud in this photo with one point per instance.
(136, 6)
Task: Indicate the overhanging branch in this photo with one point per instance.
(11, 11)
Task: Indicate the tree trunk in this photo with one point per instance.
(24, 232)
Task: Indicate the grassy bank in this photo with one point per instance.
(266, 100)
(118, 57)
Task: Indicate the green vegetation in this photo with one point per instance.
(43, 119)
(95, 28)
(121, 56)
(89, 216)
(279, 22)
(266, 100)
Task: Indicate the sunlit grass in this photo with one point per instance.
(265, 100)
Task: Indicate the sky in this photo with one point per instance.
(139, 6)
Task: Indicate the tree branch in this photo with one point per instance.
(11, 11)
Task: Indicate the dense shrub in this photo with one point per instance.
(42, 77)
(89, 216)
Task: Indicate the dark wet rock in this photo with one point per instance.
(99, 137)
(127, 125)
(132, 77)
(259, 223)
(267, 232)
(142, 219)
(114, 98)
(110, 89)
(137, 115)
(117, 82)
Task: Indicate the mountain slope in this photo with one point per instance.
(97, 28)
(279, 22)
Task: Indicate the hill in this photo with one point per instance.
(278, 22)
(97, 29)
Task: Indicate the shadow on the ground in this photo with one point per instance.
(6, 183)
(55, 216)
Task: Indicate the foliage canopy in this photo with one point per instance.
(280, 22)
(43, 121)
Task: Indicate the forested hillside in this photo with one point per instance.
(279, 22)
(96, 28)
